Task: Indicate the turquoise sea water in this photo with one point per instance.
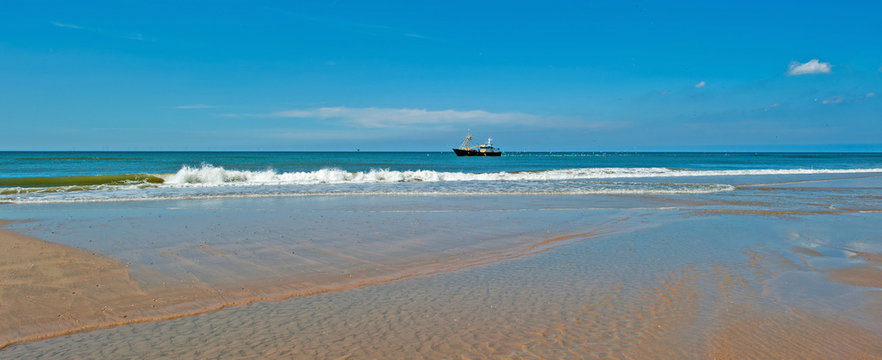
(499, 256)
(27, 177)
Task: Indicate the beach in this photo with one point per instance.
(779, 266)
(440, 180)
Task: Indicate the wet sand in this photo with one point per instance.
(51, 289)
(794, 334)
(758, 273)
(867, 275)
(536, 307)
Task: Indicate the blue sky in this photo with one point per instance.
(410, 75)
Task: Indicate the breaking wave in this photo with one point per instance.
(209, 181)
(208, 175)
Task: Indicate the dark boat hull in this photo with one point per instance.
(461, 152)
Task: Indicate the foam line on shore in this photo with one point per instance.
(710, 188)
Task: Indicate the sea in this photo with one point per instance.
(385, 255)
(58, 177)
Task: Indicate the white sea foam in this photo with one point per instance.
(209, 175)
(210, 181)
(86, 197)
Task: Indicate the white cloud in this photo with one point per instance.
(332, 135)
(68, 26)
(811, 67)
(108, 33)
(391, 118)
(700, 84)
(834, 99)
(197, 106)
(772, 106)
(869, 95)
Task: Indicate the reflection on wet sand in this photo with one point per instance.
(669, 320)
(694, 311)
(51, 290)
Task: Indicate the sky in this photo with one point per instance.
(419, 75)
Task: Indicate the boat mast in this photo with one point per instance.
(467, 143)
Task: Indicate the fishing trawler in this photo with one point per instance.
(466, 148)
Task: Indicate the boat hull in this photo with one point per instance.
(461, 152)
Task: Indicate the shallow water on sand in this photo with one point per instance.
(765, 271)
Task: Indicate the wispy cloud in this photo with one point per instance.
(68, 26)
(834, 99)
(812, 67)
(771, 107)
(372, 119)
(197, 106)
(102, 32)
(700, 84)
(846, 98)
(391, 118)
(326, 135)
